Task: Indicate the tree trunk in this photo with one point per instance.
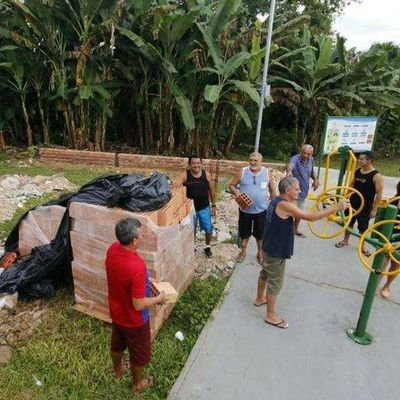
(228, 144)
(2, 142)
(45, 126)
(27, 124)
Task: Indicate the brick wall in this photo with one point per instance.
(214, 167)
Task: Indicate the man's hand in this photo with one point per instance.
(214, 211)
(315, 184)
(343, 205)
(289, 173)
(372, 214)
(161, 298)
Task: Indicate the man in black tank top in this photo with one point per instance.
(369, 182)
(200, 189)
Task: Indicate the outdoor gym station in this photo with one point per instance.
(383, 234)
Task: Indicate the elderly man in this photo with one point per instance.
(278, 243)
(253, 180)
(129, 300)
(301, 167)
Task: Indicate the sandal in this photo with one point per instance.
(144, 384)
(341, 244)
(366, 253)
(299, 234)
(240, 258)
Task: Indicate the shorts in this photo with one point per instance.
(203, 218)
(137, 340)
(251, 224)
(362, 222)
(273, 271)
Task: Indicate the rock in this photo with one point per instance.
(9, 301)
(5, 328)
(5, 354)
(3, 313)
(230, 264)
(30, 190)
(10, 183)
(223, 236)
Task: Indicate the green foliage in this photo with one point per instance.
(176, 77)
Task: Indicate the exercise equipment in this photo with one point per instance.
(383, 235)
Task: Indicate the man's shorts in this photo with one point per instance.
(362, 222)
(273, 271)
(137, 340)
(251, 224)
(203, 218)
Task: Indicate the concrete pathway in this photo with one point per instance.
(238, 356)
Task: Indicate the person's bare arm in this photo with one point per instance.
(234, 182)
(212, 193)
(315, 180)
(287, 209)
(182, 178)
(272, 189)
(378, 183)
(289, 169)
(146, 302)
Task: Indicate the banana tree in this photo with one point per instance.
(312, 74)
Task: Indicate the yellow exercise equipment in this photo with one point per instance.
(340, 220)
(385, 246)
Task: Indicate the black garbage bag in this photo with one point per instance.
(51, 263)
(43, 289)
(147, 194)
(103, 191)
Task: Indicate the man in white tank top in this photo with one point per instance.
(254, 181)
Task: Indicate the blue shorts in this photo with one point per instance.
(203, 218)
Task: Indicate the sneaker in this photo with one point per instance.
(208, 252)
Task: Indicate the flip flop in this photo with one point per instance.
(341, 244)
(260, 304)
(144, 384)
(240, 258)
(302, 235)
(282, 324)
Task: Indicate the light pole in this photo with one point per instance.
(265, 74)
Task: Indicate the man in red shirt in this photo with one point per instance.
(129, 300)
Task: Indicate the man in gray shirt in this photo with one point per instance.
(301, 167)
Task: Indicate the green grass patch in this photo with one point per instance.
(70, 351)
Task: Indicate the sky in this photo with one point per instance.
(369, 22)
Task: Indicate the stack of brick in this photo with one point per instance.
(39, 227)
(167, 247)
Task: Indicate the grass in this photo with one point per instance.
(69, 352)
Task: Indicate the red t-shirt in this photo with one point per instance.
(127, 277)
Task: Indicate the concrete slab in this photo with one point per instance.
(238, 356)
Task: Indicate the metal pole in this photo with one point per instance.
(359, 335)
(265, 74)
